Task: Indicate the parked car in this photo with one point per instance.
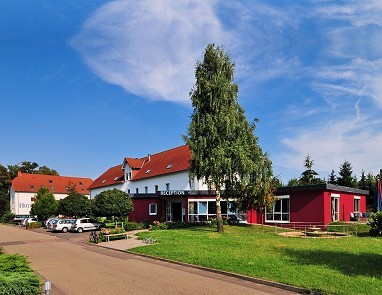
(20, 218)
(82, 224)
(28, 220)
(49, 222)
(63, 225)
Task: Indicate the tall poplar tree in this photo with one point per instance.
(225, 152)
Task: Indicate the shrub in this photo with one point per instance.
(133, 226)
(375, 222)
(35, 225)
(16, 276)
(7, 217)
(158, 226)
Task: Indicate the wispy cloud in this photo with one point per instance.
(328, 53)
(150, 48)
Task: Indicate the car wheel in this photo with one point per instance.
(64, 229)
(80, 230)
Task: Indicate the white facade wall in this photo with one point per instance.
(21, 202)
(176, 181)
(96, 191)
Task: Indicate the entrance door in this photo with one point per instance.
(176, 212)
(335, 208)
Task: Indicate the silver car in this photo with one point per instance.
(82, 224)
(63, 225)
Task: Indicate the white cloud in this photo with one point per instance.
(150, 47)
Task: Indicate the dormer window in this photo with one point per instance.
(80, 182)
(50, 181)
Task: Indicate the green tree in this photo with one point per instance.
(332, 178)
(362, 183)
(309, 175)
(346, 177)
(75, 204)
(45, 204)
(294, 181)
(4, 202)
(112, 203)
(5, 179)
(47, 171)
(225, 151)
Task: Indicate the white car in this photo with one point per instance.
(63, 225)
(83, 224)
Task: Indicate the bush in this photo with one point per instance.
(158, 226)
(133, 226)
(16, 276)
(35, 225)
(375, 222)
(7, 217)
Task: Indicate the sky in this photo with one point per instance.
(84, 84)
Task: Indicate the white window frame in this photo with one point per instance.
(335, 200)
(358, 199)
(277, 212)
(154, 206)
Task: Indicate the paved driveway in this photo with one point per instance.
(78, 268)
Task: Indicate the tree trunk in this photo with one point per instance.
(219, 213)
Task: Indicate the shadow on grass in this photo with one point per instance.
(350, 264)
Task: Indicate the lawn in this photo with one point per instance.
(351, 265)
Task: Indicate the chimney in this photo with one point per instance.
(19, 173)
(148, 158)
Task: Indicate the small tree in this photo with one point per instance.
(332, 178)
(309, 175)
(346, 177)
(112, 203)
(75, 204)
(45, 204)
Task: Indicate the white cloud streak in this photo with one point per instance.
(149, 47)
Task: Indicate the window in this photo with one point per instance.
(357, 205)
(128, 191)
(137, 190)
(156, 189)
(146, 189)
(50, 181)
(204, 210)
(169, 166)
(153, 209)
(80, 182)
(167, 186)
(280, 211)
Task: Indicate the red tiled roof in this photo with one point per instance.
(112, 176)
(135, 163)
(31, 183)
(170, 161)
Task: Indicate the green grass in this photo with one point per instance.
(351, 265)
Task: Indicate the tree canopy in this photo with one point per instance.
(75, 204)
(309, 176)
(346, 177)
(225, 152)
(112, 203)
(45, 204)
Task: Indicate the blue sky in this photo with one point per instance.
(86, 83)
